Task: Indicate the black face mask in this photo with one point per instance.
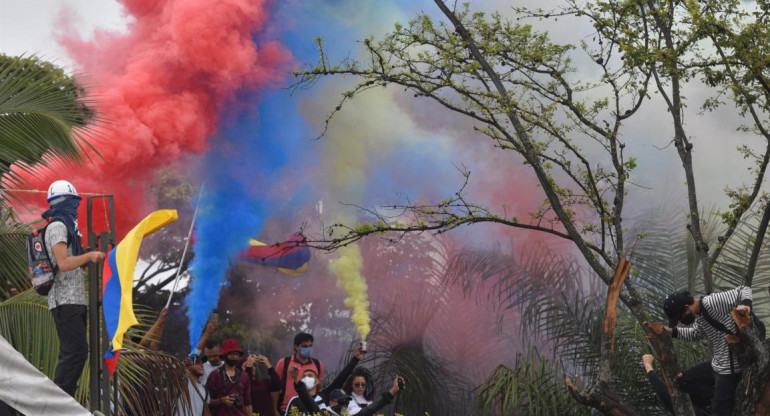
(687, 319)
(337, 409)
(231, 363)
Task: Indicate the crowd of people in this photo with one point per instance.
(225, 381)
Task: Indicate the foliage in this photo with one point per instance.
(531, 387)
(518, 88)
(13, 262)
(43, 117)
(27, 324)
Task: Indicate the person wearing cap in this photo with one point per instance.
(229, 386)
(311, 384)
(199, 395)
(337, 401)
(67, 297)
(711, 320)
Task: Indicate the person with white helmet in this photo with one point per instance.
(67, 298)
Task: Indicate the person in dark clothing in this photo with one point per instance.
(360, 386)
(264, 381)
(312, 384)
(697, 381)
(229, 386)
(338, 400)
(710, 319)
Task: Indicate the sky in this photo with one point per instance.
(32, 27)
(190, 83)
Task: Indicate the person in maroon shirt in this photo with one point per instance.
(229, 386)
(264, 381)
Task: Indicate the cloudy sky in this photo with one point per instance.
(390, 124)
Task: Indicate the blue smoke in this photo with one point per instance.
(246, 159)
(257, 166)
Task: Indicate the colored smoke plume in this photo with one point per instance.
(161, 87)
(347, 268)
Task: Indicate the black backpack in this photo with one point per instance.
(41, 273)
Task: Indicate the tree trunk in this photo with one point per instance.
(601, 396)
(753, 393)
(663, 345)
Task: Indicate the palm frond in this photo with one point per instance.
(534, 386)
(44, 117)
(150, 383)
(27, 324)
(730, 269)
(13, 262)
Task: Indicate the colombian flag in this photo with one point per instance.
(290, 257)
(118, 282)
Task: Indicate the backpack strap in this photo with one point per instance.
(317, 367)
(55, 268)
(286, 361)
(719, 327)
(198, 391)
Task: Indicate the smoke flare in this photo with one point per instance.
(347, 268)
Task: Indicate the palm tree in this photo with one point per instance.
(561, 310)
(43, 117)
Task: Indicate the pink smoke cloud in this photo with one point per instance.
(162, 87)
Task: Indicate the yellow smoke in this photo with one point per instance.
(347, 267)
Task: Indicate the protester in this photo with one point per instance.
(210, 349)
(212, 352)
(264, 381)
(697, 382)
(312, 384)
(710, 319)
(67, 297)
(361, 389)
(229, 386)
(337, 401)
(302, 359)
(199, 395)
(151, 339)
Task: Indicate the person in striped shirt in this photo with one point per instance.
(709, 317)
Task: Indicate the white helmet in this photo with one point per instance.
(61, 188)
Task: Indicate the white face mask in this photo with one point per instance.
(309, 383)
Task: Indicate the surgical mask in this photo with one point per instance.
(231, 363)
(306, 352)
(688, 319)
(309, 383)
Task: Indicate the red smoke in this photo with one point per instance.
(162, 88)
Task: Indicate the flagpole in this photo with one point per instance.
(184, 252)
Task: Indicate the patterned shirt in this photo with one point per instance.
(718, 306)
(68, 287)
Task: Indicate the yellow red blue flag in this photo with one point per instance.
(118, 282)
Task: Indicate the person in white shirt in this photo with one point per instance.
(211, 351)
(361, 389)
(199, 396)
